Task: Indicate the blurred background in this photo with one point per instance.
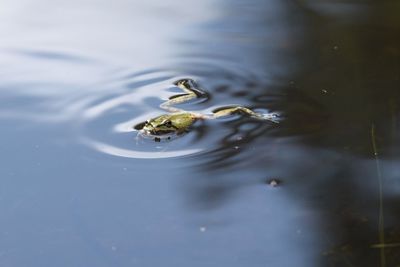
(80, 187)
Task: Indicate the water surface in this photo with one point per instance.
(80, 188)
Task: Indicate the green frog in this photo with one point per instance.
(178, 121)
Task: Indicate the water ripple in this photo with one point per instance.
(103, 103)
(108, 125)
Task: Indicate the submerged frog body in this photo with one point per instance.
(178, 121)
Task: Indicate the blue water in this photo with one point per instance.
(80, 187)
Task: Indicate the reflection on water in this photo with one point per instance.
(80, 188)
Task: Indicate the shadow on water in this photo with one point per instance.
(336, 149)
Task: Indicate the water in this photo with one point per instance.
(79, 188)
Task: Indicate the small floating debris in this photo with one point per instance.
(274, 182)
(203, 229)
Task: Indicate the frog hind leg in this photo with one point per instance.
(226, 111)
(190, 87)
(191, 91)
(182, 98)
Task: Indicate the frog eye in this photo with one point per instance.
(168, 123)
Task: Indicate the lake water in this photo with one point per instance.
(80, 187)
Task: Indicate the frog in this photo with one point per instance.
(178, 121)
(164, 124)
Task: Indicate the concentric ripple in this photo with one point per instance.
(103, 106)
(108, 126)
(102, 103)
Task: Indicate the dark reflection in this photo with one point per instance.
(339, 97)
(352, 71)
(200, 130)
